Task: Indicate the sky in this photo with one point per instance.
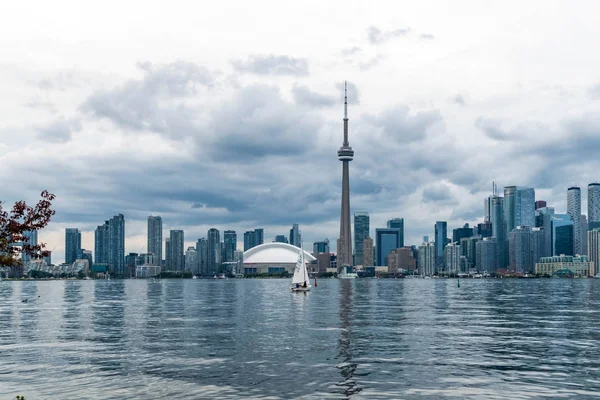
(229, 114)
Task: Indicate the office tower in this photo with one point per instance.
(155, 237)
(510, 199)
(538, 245)
(583, 229)
(593, 239)
(460, 233)
(191, 260)
(386, 240)
(487, 209)
(230, 243)
(593, 205)
(441, 233)
(561, 230)
(484, 229)
(452, 258)
(406, 259)
(542, 220)
(116, 245)
(397, 223)
(214, 251)
(168, 255)
(427, 259)
(574, 212)
(426, 239)
(248, 240)
(578, 266)
(295, 238)
(487, 250)
(101, 240)
(540, 204)
(498, 229)
(368, 252)
(345, 155)
(32, 240)
(524, 207)
(176, 237)
(130, 264)
(259, 236)
(468, 249)
(202, 255)
(323, 261)
(321, 247)
(361, 231)
(72, 244)
(520, 250)
(278, 239)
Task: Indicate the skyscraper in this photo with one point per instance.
(101, 244)
(248, 240)
(116, 245)
(486, 250)
(345, 155)
(230, 242)
(72, 244)
(32, 240)
(498, 230)
(361, 232)
(321, 247)
(574, 212)
(520, 250)
(279, 239)
(397, 223)
(295, 238)
(459, 233)
(191, 260)
(259, 236)
(386, 240)
(441, 233)
(168, 253)
(426, 260)
(176, 237)
(593, 205)
(510, 199)
(202, 254)
(561, 230)
(368, 252)
(525, 207)
(593, 237)
(155, 237)
(214, 251)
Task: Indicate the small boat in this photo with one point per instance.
(345, 274)
(222, 276)
(300, 280)
(597, 276)
(194, 277)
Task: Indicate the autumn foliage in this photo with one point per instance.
(21, 219)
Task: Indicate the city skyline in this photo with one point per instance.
(244, 134)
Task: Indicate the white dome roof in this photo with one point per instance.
(276, 253)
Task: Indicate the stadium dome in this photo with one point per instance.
(272, 258)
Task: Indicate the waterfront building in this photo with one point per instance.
(230, 245)
(441, 234)
(583, 229)
(574, 212)
(177, 257)
(525, 207)
(397, 223)
(323, 261)
(520, 250)
(459, 233)
(498, 232)
(273, 258)
(361, 231)
(191, 260)
(452, 258)
(321, 247)
(101, 244)
(487, 250)
(561, 234)
(406, 259)
(72, 244)
(510, 199)
(155, 237)
(593, 239)
(214, 251)
(538, 245)
(116, 245)
(593, 205)
(295, 237)
(468, 249)
(386, 239)
(565, 265)
(426, 259)
(32, 240)
(368, 252)
(168, 254)
(543, 220)
(253, 238)
(202, 256)
(345, 155)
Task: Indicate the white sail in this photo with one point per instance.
(300, 273)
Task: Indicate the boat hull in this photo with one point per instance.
(301, 289)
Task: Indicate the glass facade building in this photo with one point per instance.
(441, 234)
(561, 228)
(386, 240)
(361, 232)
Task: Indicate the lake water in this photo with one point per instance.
(361, 339)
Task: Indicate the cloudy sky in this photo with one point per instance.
(229, 115)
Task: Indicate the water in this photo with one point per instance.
(361, 339)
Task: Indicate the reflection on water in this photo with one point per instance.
(359, 339)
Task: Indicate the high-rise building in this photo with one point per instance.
(540, 204)
(361, 231)
(538, 245)
(345, 155)
(452, 258)
(427, 259)
(202, 255)
(397, 223)
(487, 250)
(593, 205)
(468, 249)
(295, 238)
(101, 244)
(583, 229)
(498, 232)
(525, 207)
(520, 250)
(484, 229)
(248, 240)
(487, 209)
(155, 237)
(561, 230)
(441, 234)
(321, 247)
(116, 245)
(191, 260)
(406, 259)
(214, 251)
(230, 243)
(459, 233)
(593, 239)
(278, 239)
(386, 240)
(72, 244)
(32, 240)
(176, 237)
(510, 199)
(168, 254)
(574, 212)
(368, 252)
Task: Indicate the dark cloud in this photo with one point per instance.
(492, 128)
(58, 131)
(270, 64)
(370, 63)
(426, 36)
(458, 99)
(303, 95)
(151, 103)
(378, 36)
(350, 51)
(353, 93)
(399, 124)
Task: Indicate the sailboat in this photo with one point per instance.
(300, 280)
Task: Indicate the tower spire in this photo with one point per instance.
(345, 101)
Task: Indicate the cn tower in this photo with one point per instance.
(345, 155)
